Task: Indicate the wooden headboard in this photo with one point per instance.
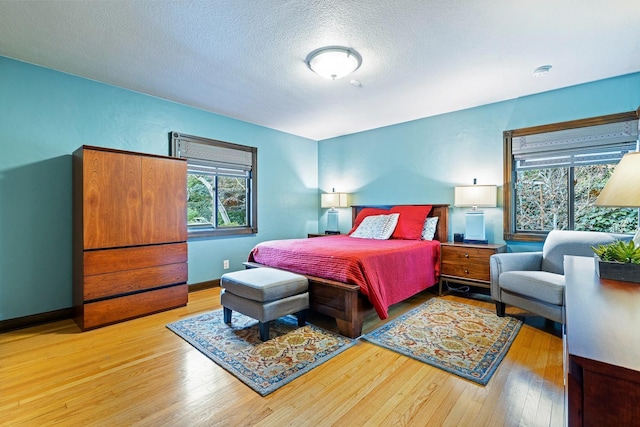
(439, 210)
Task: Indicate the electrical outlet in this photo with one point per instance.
(225, 264)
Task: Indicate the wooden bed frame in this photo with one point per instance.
(344, 301)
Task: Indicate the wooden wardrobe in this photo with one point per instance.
(129, 235)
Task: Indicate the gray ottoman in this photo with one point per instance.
(264, 294)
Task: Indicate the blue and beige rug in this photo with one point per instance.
(263, 366)
(462, 339)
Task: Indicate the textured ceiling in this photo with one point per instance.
(245, 58)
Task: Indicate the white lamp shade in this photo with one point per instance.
(475, 195)
(334, 62)
(334, 200)
(623, 188)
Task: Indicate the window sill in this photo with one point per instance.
(525, 237)
(226, 232)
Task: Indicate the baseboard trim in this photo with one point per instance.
(67, 313)
(204, 285)
(35, 319)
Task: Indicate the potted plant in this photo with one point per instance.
(618, 261)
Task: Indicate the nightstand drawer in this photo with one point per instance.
(467, 271)
(461, 254)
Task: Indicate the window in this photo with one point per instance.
(221, 185)
(554, 173)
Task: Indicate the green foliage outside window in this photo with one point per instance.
(542, 201)
(231, 200)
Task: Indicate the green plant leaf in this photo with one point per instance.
(619, 251)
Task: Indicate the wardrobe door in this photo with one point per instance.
(111, 199)
(164, 195)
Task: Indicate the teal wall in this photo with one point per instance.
(45, 115)
(422, 160)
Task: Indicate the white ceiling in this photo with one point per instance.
(245, 58)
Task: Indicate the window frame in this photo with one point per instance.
(509, 213)
(252, 199)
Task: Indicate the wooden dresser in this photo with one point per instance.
(129, 235)
(467, 263)
(602, 347)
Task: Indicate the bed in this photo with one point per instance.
(349, 277)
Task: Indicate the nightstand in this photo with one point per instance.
(467, 263)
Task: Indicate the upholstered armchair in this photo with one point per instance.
(534, 281)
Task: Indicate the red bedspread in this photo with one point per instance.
(387, 271)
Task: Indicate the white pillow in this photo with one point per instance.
(429, 228)
(379, 227)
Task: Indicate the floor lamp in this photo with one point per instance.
(475, 196)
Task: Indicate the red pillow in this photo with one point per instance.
(365, 213)
(410, 222)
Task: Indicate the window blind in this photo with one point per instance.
(216, 157)
(576, 147)
(220, 169)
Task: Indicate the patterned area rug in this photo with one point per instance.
(465, 340)
(263, 366)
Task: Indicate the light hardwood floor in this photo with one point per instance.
(141, 373)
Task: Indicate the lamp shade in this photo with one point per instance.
(333, 200)
(623, 188)
(475, 195)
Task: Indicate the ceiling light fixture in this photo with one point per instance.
(333, 62)
(541, 71)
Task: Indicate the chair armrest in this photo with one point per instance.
(512, 261)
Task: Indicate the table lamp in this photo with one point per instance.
(623, 188)
(475, 196)
(333, 201)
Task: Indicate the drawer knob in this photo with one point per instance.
(466, 255)
(466, 271)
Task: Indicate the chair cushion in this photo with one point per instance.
(540, 285)
(264, 284)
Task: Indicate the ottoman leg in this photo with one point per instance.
(227, 314)
(302, 317)
(264, 331)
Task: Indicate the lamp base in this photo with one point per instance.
(332, 221)
(474, 227)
